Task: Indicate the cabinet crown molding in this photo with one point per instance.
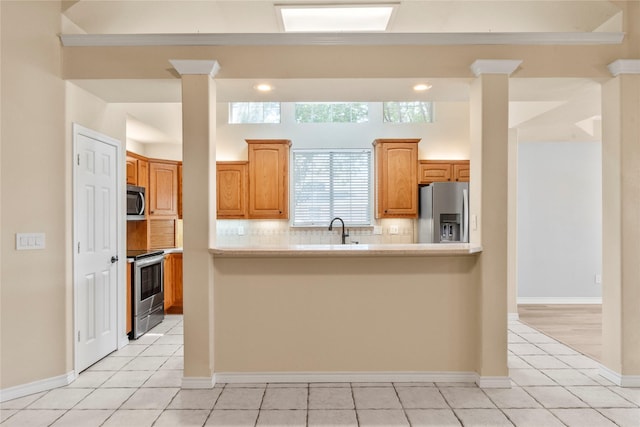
(396, 141)
(269, 141)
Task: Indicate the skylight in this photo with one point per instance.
(332, 18)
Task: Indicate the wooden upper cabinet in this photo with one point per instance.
(396, 183)
(268, 178)
(231, 189)
(461, 170)
(132, 170)
(163, 189)
(143, 173)
(137, 170)
(443, 171)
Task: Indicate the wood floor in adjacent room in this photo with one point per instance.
(576, 325)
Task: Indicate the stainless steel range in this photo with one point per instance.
(147, 291)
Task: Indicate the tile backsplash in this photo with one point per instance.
(279, 232)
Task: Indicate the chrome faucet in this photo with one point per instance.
(344, 235)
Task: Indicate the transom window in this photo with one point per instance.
(332, 112)
(408, 112)
(329, 184)
(254, 112)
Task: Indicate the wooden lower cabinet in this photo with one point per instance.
(168, 282)
(173, 283)
(177, 277)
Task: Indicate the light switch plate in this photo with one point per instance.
(240, 231)
(30, 241)
(393, 229)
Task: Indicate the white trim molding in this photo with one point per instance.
(37, 386)
(560, 300)
(511, 317)
(618, 379)
(344, 377)
(624, 66)
(342, 39)
(495, 66)
(196, 66)
(124, 341)
(198, 382)
(493, 382)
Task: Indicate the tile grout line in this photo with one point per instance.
(355, 407)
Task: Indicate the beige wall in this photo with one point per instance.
(38, 111)
(354, 314)
(34, 308)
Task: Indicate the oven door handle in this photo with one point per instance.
(150, 260)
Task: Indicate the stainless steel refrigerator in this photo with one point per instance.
(444, 213)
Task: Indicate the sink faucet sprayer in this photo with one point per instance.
(344, 235)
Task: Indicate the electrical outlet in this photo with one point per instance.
(377, 229)
(598, 279)
(393, 229)
(240, 231)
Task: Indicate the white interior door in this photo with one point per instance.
(96, 246)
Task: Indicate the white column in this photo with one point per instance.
(489, 134)
(621, 224)
(199, 216)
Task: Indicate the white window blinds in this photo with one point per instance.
(329, 184)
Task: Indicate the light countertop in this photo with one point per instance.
(374, 250)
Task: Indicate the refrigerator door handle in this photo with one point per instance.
(465, 216)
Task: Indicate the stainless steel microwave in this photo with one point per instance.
(135, 203)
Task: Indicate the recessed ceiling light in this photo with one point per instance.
(335, 18)
(264, 87)
(421, 87)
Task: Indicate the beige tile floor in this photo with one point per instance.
(139, 385)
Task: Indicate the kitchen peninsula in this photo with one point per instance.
(346, 313)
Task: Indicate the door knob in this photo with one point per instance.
(114, 259)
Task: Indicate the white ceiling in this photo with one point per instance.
(540, 108)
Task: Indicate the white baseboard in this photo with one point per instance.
(493, 382)
(198, 382)
(560, 300)
(618, 379)
(36, 386)
(513, 316)
(339, 377)
(124, 341)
